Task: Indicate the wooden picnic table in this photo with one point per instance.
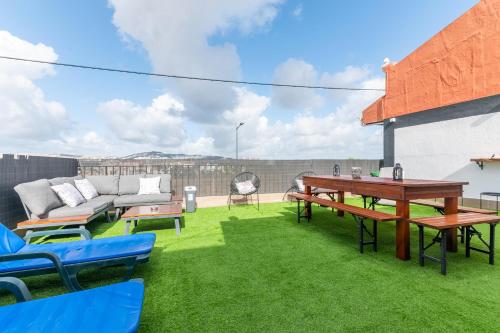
(400, 191)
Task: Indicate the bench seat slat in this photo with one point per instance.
(359, 211)
(455, 220)
(461, 209)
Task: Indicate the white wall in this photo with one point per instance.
(443, 149)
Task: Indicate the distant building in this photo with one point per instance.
(442, 103)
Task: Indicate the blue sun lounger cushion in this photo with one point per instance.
(112, 308)
(20, 259)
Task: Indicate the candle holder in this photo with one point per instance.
(356, 173)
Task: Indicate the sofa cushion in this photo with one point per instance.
(130, 200)
(165, 182)
(90, 207)
(38, 196)
(61, 180)
(69, 194)
(129, 184)
(149, 185)
(245, 187)
(104, 199)
(86, 188)
(105, 184)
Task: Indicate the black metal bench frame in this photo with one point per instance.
(360, 221)
(440, 237)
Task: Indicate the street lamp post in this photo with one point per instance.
(237, 127)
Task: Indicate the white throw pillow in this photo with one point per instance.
(68, 194)
(86, 188)
(245, 187)
(300, 185)
(149, 185)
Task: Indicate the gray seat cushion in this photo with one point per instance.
(105, 184)
(130, 200)
(90, 207)
(165, 182)
(62, 180)
(38, 196)
(104, 199)
(129, 184)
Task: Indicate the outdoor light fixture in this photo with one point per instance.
(237, 127)
(336, 170)
(397, 172)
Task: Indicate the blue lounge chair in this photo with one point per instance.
(113, 308)
(17, 258)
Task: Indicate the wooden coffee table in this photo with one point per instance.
(171, 210)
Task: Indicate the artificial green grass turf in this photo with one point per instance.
(251, 271)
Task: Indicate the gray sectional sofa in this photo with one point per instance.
(115, 192)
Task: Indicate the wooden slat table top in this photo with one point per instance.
(386, 181)
(461, 209)
(53, 222)
(455, 220)
(172, 209)
(367, 213)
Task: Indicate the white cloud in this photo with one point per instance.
(176, 36)
(337, 134)
(25, 113)
(160, 124)
(299, 72)
(13, 46)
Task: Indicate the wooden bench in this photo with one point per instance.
(446, 222)
(439, 207)
(359, 214)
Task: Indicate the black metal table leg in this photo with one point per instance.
(467, 241)
(421, 245)
(361, 234)
(308, 210)
(375, 235)
(298, 211)
(443, 251)
(492, 243)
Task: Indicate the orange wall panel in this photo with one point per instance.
(460, 63)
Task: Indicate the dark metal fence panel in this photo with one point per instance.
(16, 169)
(213, 177)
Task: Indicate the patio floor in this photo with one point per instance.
(245, 270)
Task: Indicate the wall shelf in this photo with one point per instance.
(481, 160)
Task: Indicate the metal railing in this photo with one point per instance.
(214, 177)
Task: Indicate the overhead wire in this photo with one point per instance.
(187, 77)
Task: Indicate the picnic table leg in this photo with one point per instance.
(421, 245)
(403, 230)
(307, 205)
(492, 244)
(451, 207)
(444, 240)
(340, 196)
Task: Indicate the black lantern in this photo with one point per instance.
(397, 172)
(336, 170)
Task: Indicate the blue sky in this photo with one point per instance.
(313, 42)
